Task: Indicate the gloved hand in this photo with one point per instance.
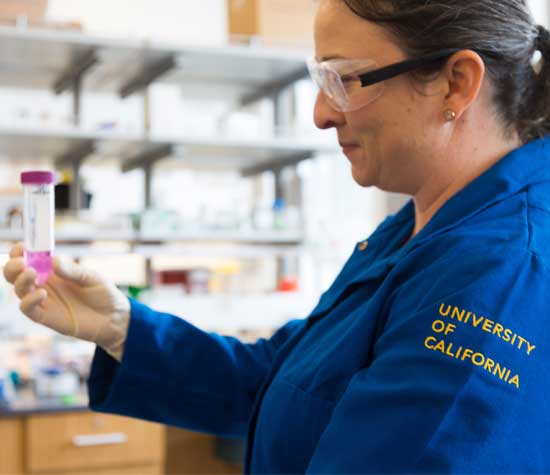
(74, 301)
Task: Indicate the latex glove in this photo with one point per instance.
(74, 301)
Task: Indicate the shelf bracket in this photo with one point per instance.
(149, 74)
(276, 165)
(75, 71)
(273, 88)
(147, 157)
(76, 155)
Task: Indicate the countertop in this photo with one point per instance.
(26, 403)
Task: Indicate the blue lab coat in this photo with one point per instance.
(432, 357)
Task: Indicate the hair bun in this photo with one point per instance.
(543, 39)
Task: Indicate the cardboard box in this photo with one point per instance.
(72, 26)
(33, 14)
(276, 22)
(34, 10)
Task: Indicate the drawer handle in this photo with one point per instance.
(99, 439)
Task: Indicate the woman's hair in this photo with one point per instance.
(502, 32)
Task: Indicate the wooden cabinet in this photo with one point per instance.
(11, 446)
(191, 452)
(90, 443)
(80, 443)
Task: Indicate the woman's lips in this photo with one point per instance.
(346, 148)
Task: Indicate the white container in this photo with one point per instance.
(54, 382)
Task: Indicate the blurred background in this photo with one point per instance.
(190, 173)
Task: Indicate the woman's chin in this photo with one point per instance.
(361, 177)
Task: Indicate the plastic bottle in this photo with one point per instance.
(38, 221)
(7, 391)
(279, 209)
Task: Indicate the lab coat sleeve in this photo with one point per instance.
(174, 373)
(416, 409)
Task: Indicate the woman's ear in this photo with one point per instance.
(463, 76)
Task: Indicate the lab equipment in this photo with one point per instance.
(55, 382)
(38, 221)
(7, 390)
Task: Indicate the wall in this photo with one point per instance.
(541, 11)
(174, 21)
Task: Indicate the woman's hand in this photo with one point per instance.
(74, 301)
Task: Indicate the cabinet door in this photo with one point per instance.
(11, 446)
(90, 441)
(193, 453)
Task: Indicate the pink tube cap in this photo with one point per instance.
(37, 177)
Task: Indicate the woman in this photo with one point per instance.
(430, 351)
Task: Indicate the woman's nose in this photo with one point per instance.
(324, 115)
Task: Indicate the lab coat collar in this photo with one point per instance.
(522, 167)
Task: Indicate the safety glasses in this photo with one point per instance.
(350, 84)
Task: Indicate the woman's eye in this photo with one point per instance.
(348, 78)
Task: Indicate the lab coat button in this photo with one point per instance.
(363, 245)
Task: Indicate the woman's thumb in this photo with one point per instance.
(70, 270)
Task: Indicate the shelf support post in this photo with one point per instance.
(72, 79)
(283, 116)
(148, 182)
(146, 112)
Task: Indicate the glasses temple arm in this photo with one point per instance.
(396, 69)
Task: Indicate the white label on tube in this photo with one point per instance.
(39, 217)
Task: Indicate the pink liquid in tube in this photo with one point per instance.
(41, 262)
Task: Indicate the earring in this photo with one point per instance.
(450, 115)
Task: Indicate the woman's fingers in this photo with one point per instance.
(17, 250)
(24, 282)
(13, 268)
(70, 270)
(30, 305)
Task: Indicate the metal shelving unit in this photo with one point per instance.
(77, 63)
(74, 62)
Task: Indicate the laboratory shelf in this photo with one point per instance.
(44, 59)
(260, 237)
(271, 240)
(31, 143)
(247, 155)
(235, 251)
(250, 155)
(226, 251)
(17, 235)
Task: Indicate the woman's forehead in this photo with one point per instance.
(340, 33)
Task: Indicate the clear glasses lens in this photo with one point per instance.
(340, 83)
(334, 89)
